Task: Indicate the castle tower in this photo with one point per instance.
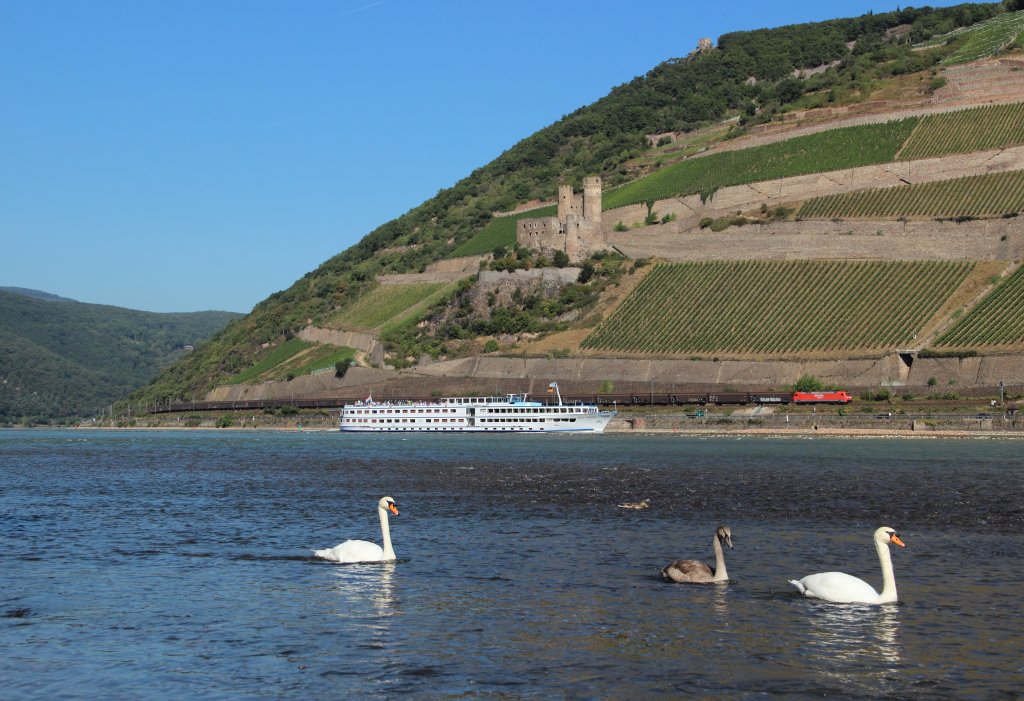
(564, 201)
(592, 200)
(577, 228)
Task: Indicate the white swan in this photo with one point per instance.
(695, 571)
(842, 588)
(363, 550)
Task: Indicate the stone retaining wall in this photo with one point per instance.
(542, 276)
(689, 210)
(993, 239)
(496, 375)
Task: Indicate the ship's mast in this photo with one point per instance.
(554, 386)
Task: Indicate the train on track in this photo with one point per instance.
(635, 399)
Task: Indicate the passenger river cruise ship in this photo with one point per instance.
(511, 413)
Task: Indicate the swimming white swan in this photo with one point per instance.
(842, 588)
(695, 571)
(363, 550)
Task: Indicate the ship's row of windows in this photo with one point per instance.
(523, 421)
(445, 428)
(458, 420)
(430, 412)
(417, 412)
(403, 421)
(531, 410)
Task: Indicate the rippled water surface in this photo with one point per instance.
(176, 565)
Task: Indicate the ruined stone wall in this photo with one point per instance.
(543, 235)
(544, 276)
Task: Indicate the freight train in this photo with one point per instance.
(718, 398)
(637, 399)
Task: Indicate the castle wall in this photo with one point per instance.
(576, 230)
(592, 200)
(543, 235)
(565, 201)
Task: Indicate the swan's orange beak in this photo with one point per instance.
(895, 540)
(394, 509)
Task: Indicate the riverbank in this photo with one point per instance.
(622, 428)
(831, 422)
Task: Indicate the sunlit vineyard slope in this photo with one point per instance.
(778, 307)
(989, 195)
(996, 321)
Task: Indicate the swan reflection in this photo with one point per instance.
(853, 641)
(720, 600)
(366, 589)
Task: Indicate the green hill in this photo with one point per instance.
(747, 81)
(61, 359)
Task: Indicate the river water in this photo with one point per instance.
(169, 565)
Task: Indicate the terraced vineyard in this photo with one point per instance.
(835, 149)
(983, 39)
(276, 357)
(997, 320)
(990, 195)
(963, 131)
(778, 307)
(384, 303)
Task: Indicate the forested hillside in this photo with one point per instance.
(61, 359)
(744, 80)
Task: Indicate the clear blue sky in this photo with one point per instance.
(186, 155)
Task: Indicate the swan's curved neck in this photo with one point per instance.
(385, 532)
(720, 573)
(888, 576)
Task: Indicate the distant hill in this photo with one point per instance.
(61, 359)
(38, 294)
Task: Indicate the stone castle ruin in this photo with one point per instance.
(575, 229)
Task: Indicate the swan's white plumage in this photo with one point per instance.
(837, 587)
(842, 588)
(352, 551)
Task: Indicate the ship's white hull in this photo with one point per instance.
(474, 415)
(593, 424)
